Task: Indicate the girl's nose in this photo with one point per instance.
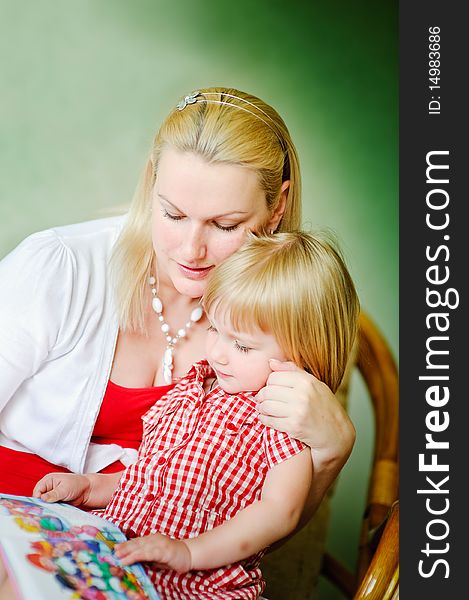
(219, 352)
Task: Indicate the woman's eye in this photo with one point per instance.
(211, 328)
(241, 348)
(226, 228)
(168, 215)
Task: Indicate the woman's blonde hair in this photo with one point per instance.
(222, 125)
(296, 287)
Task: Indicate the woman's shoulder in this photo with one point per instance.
(86, 232)
(90, 227)
(72, 251)
(76, 239)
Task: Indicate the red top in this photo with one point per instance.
(119, 422)
(120, 418)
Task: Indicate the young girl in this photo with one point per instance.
(213, 487)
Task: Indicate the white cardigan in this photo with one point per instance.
(58, 331)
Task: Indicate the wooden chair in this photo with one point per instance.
(378, 368)
(381, 580)
(291, 571)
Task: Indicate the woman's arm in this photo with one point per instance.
(33, 307)
(299, 404)
(257, 526)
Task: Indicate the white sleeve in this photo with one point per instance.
(36, 283)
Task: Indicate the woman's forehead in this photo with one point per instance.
(186, 178)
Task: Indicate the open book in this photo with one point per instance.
(56, 551)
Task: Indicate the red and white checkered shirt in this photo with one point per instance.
(203, 458)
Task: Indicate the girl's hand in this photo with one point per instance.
(165, 552)
(66, 487)
(297, 403)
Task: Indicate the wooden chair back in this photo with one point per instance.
(378, 368)
(381, 580)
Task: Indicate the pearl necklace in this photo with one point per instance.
(157, 305)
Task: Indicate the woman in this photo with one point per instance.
(97, 320)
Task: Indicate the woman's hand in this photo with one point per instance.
(304, 407)
(297, 403)
(165, 552)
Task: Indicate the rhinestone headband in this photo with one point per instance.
(199, 97)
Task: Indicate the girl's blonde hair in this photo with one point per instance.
(222, 125)
(297, 287)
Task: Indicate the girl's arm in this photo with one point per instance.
(273, 517)
(93, 490)
(297, 403)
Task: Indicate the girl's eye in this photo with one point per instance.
(241, 348)
(211, 328)
(168, 215)
(228, 228)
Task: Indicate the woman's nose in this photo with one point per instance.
(195, 244)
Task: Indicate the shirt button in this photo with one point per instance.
(231, 426)
(150, 497)
(161, 460)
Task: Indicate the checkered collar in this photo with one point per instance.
(201, 370)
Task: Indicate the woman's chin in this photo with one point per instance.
(192, 289)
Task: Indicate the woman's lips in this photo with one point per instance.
(194, 273)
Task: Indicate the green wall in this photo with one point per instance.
(84, 85)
